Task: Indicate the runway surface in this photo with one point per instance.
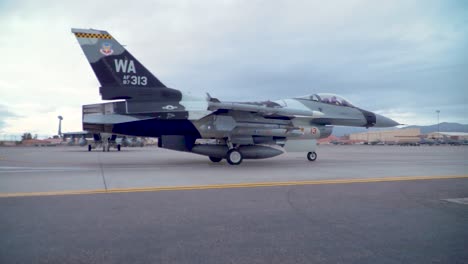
(355, 204)
(65, 169)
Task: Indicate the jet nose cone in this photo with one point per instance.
(382, 121)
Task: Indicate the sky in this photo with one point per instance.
(403, 59)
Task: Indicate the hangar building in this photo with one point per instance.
(388, 136)
(448, 135)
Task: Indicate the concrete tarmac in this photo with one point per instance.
(57, 169)
(355, 204)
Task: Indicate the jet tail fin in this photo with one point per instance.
(121, 75)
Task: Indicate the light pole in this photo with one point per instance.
(438, 124)
(60, 126)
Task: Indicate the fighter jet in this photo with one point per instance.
(92, 140)
(207, 126)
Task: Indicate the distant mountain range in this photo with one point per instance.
(340, 131)
(444, 127)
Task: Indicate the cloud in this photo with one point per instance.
(38, 119)
(404, 55)
(5, 114)
(427, 114)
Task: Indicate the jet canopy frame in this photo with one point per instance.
(328, 98)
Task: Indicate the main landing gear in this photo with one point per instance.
(106, 147)
(216, 160)
(234, 157)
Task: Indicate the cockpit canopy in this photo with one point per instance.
(328, 99)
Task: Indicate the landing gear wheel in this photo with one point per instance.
(234, 157)
(215, 159)
(311, 156)
(89, 147)
(118, 147)
(103, 148)
(108, 148)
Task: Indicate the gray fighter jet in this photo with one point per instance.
(207, 126)
(92, 140)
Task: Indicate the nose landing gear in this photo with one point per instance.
(312, 156)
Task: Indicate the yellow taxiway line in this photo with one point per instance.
(232, 185)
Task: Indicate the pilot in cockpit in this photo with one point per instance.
(334, 101)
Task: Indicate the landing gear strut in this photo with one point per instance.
(233, 156)
(105, 147)
(312, 156)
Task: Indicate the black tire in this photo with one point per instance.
(103, 148)
(89, 148)
(118, 147)
(215, 159)
(311, 156)
(234, 157)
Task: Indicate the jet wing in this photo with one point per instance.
(77, 134)
(262, 109)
